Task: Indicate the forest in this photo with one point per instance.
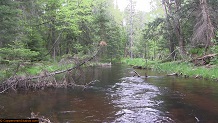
(38, 35)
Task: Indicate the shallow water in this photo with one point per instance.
(120, 98)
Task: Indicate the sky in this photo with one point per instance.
(141, 5)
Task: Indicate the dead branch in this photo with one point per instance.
(136, 74)
(203, 60)
(172, 74)
(54, 43)
(41, 81)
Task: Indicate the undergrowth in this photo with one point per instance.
(185, 68)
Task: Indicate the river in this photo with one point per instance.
(118, 97)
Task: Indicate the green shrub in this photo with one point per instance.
(198, 51)
(17, 52)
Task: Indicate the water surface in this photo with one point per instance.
(120, 98)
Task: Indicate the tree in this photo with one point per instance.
(9, 21)
(173, 17)
(32, 33)
(108, 29)
(203, 29)
(130, 12)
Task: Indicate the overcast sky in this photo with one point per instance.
(142, 5)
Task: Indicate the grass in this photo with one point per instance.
(185, 68)
(50, 67)
(189, 69)
(139, 62)
(7, 71)
(34, 69)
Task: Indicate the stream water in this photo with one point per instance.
(120, 98)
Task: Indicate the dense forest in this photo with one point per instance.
(50, 30)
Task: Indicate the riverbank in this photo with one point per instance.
(25, 69)
(40, 76)
(185, 69)
(30, 68)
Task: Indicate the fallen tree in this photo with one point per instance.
(204, 60)
(46, 79)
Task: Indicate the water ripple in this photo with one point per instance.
(135, 98)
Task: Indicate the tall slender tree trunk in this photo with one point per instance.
(172, 48)
(178, 29)
(170, 37)
(131, 28)
(210, 27)
(53, 40)
(204, 29)
(179, 35)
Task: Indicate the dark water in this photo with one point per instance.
(120, 98)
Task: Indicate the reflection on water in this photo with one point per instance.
(120, 98)
(59, 106)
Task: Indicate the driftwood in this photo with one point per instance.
(204, 60)
(136, 74)
(44, 80)
(198, 77)
(172, 74)
(105, 64)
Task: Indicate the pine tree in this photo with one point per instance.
(8, 21)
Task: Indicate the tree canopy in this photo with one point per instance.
(49, 29)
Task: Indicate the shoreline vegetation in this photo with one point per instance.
(40, 76)
(33, 69)
(44, 75)
(28, 68)
(176, 68)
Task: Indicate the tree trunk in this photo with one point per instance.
(167, 9)
(172, 48)
(203, 29)
(53, 40)
(178, 29)
(210, 28)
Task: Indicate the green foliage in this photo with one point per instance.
(34, 41)
(8, 21)
(198, 51)
(17, 52)
(108, 29)
(135, 62)
(154, 41)
(14, 58)
(139, 62)
(33, 70)
(214, 49)
(189, 69)
(175, 67)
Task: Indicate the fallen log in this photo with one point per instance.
(172, 74)
(204, 60)
(44, 80)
